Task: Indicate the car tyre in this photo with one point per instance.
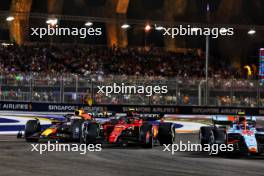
(77, 129)
(166, 133)
(32, 127)
(90, 132)
(146, 135)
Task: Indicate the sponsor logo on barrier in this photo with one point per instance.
(204, 110)
(15, 106)
(62, 108)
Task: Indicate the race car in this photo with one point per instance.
(238, 130)
(68, 129)
(146, 130)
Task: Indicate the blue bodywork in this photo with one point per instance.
(242, 135)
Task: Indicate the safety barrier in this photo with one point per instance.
(169, 109)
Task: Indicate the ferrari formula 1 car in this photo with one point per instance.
(238, 130)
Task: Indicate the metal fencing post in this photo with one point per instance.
(76, 88)
(92, 91)
(177, 92)
(232, 91)
(258, 94)
(31, 87)
(61, 90)
(200, 92)
(206, 69)
(1, 81)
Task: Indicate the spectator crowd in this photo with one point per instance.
(88, 60)
(46, 65)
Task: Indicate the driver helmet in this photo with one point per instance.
(131, 112)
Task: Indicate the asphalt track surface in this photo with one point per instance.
(16, 159)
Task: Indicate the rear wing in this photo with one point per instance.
(228, 120)
(150, 117)
(102, 114)
(94, 114)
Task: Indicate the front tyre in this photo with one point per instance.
(32, 130)
(166, 133)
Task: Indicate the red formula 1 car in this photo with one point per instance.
(132, 128)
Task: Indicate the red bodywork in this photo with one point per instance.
(122, 125)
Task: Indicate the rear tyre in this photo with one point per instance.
(260, 141)
(220, 136)
(90, 132)
(211, 139)
(166, 133)
(77, 130)
(32, 128)
(204, 135)
(146, 136)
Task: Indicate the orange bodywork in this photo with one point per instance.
(86, 116)
(230, 118)
(252, 150)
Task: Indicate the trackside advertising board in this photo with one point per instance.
(55, 107)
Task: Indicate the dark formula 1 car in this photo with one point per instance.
(68, 129)
(237, 130)
(132, 128)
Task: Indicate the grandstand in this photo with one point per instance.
(68, 69)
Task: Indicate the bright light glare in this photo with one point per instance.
(125, 26)
(88, 23)
(147, 27)
(251, 32)
(7, 44)
(52, 21)
(10, 18)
